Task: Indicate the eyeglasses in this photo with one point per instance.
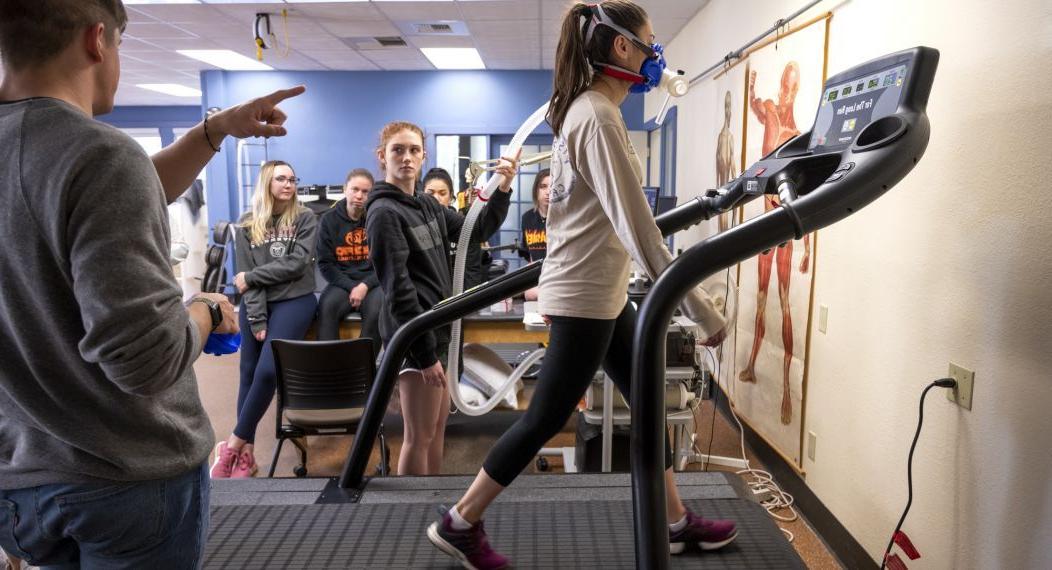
(283, 179)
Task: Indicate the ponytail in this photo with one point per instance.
(574, 55)
(573, 72)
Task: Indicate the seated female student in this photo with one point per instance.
(274, 253)
(534, 244)
(439, 184)
(410, 235)
(343, 258)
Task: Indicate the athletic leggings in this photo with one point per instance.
(576, 349)
(287, 320)
(335, 304)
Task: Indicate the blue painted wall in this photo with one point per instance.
(334, 127)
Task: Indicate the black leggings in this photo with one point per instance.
(576, 348)
(335, 304)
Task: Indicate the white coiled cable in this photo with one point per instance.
(459, 265)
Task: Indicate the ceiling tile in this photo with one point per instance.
(672, 8)
(420, 11)
(344, 29)
(171, 45)
(503, 29)
(344, 59)
(175, 13)
(132, 45)
(319, 42)
(155, 30)
(347, 12)
(482, 10)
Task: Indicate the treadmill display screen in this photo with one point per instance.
(847, 107)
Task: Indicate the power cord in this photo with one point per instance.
(762, 482)
(941, 383)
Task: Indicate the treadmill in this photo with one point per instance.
(870, 131)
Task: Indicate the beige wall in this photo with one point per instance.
(952, 264)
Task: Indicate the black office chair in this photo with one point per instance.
(322, 389)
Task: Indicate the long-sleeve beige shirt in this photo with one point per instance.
(599, 221)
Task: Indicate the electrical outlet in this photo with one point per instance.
(823, 318)
(812, 442)
(962, 394)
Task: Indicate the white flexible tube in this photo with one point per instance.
(459, 265)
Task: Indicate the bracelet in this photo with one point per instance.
(208, 138)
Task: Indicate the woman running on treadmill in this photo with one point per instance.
(409, 235)
(598, 223)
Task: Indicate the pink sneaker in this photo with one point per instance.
(245, 466)
(225, 461)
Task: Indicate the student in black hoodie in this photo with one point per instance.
(343, 258)
(438, 183)
(410, 235)
(534, 244)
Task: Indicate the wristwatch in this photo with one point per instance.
(213, 310)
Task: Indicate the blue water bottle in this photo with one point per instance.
(220, 344)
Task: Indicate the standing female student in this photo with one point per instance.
(598, 222)
(410, 235)
(438, 183)
(274, 253)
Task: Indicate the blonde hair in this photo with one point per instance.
(263, 204)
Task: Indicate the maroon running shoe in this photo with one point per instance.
(708, 535)
(469, 547)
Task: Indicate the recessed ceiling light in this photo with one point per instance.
(171, 89)
(454, 58)
(225, 59)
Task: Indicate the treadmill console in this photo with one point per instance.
(864, 108)
(848, 106)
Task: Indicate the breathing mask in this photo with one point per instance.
(653, 73)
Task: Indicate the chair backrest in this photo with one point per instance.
(320, 375)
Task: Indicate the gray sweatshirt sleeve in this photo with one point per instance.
(608, 172)
(136, 328)
(293, 265)
(254, 299)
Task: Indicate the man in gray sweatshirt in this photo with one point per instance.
(103, 438)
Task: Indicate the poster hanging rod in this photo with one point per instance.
(737, 54)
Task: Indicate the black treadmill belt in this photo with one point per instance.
(534, 535)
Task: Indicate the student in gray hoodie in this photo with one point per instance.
(275, 259)
(103, 438)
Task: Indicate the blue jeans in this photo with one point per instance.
(159, 525)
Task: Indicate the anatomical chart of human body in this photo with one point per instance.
(783, 86)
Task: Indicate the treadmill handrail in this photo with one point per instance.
(704, 259)
(864, 173)
(692, 212)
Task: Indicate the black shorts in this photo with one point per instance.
(442, 336)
